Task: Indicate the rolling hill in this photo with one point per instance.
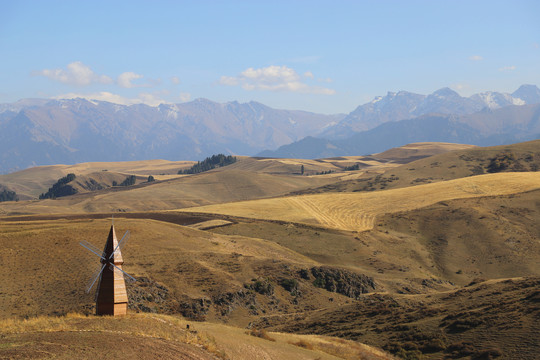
(358, 211)
(423, 270)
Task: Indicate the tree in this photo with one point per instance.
(150, 178)
(130, 180)
(60, 188)
(209, 163)
(302, 169)
(8, 195)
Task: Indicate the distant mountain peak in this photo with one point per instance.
(446, 92)
(528, 93)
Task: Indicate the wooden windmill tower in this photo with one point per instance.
(111, 295)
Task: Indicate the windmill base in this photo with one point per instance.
(114, 309)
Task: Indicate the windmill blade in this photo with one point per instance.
(92, 248)
(94, 278)
(112, 267)
(121, 243)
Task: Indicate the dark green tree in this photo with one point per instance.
(302, 169)
(60, 188)
(209, 163)
(130, 180)
(150, 178)
(8, 195)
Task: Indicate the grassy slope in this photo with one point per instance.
(358, 211)
(31, 182)
(159, 336)
(481, 321)
(201, 189)
(441, 167)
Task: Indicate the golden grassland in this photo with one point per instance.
(207, 340)
(194, 190)
(44, 269)
(34, 181)
(444, 166)
(358, 211)
(30, 183)
(421, 149)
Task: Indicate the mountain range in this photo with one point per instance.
(40, 131)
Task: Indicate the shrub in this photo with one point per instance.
(289, 284)
(303, 343)
(261, 334)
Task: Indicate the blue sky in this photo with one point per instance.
(321, 56)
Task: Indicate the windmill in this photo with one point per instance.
(111, 295)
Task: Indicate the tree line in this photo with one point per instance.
(8, 195)
(209, 163)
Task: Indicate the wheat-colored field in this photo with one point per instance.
(420, 149)
(357, 211)
(34, 181)
(149, 336)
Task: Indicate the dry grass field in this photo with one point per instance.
(206, 188)
(263, 262)
(31, 182)
(152, 336)
(358, 211)
(447, 165)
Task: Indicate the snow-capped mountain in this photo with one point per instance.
(405, 105)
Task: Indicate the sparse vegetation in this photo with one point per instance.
(210, 163)
(263, 334)
(60, 188)
(501, 162)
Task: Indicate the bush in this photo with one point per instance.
(261, 334)
(150, 178)
(500, 162)
(303, 343)
(289, 284)
(262, 286)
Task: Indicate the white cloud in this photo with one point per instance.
(476, 58)
(273, 78)
(536, 45)
(308, 74)
(75, 73)
(459, 87)
(508, 68)
(184, 96)
(175, 80)
(143, 98)
(125, 80)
